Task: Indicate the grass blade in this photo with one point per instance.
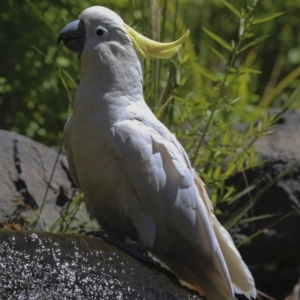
(218, 39)
(219, 54)
(232, 8)
(267, 17)
(256, 41)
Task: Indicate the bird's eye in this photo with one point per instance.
(100, 32)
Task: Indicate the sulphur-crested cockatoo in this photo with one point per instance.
(137, 179)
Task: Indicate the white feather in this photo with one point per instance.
(137, 179)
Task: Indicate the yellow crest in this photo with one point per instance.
(149, 48)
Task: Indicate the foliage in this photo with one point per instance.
(214, 95)
(33, 100)
(219, 120)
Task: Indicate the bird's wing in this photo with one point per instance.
(163, 180)
(68, 148)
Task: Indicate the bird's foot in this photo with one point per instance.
(134, 249)
(139, 252)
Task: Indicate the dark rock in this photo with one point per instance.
(284, 142)
(275, 253)
(40, 265)
(25, 170)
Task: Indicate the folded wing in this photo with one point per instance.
(161, 176)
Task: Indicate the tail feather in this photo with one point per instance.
(212, 292)
(202, 270)
(239, 273)
(194, 271)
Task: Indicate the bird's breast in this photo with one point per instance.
(97, 166)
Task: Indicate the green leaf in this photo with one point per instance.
(184, 101)
(267, 101)
(230, 191)
(293, 100)
(218, 39)
(232, 70)
(232, 8)
(237, 215)
(207, 73)
(217, 172)
(254, 42)
(261, 217)
(242, 193)
(219, 54)
(248, 70)
(267, 17)
(248, 34)
(65, 85)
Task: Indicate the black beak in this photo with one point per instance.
(73, 36)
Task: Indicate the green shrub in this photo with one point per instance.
(213, 95)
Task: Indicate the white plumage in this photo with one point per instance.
(136, 177)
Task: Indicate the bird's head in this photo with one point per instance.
(101, 29)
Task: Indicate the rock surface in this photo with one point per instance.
(284, 141)
(274, 255)
(25, 170)
(40, 265)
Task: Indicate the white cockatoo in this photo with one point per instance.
(137, 179)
